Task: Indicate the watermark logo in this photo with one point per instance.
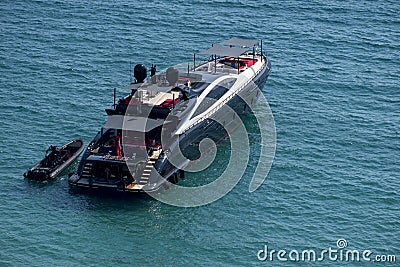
(341, 243)
(188, 124)
(339, 253)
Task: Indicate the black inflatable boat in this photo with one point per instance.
(56, 160)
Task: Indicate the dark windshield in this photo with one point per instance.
(198, 87)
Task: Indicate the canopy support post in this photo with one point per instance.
(215, 63)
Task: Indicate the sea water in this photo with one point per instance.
(334, 93)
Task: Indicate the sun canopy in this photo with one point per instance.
(240, 42)
(130, 123)
(224, 51)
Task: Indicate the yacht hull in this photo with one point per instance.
(241, 104)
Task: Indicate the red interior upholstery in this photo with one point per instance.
(168, 103)
(249, 62)
(126, 100)
(243, 62)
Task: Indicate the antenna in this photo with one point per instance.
(215, 63)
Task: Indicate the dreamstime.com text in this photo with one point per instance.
(338, 253)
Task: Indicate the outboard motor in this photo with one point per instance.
(140, 73)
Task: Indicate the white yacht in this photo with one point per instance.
(154, 132)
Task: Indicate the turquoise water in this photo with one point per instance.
(334, 93)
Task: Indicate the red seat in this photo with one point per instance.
(169, 103)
